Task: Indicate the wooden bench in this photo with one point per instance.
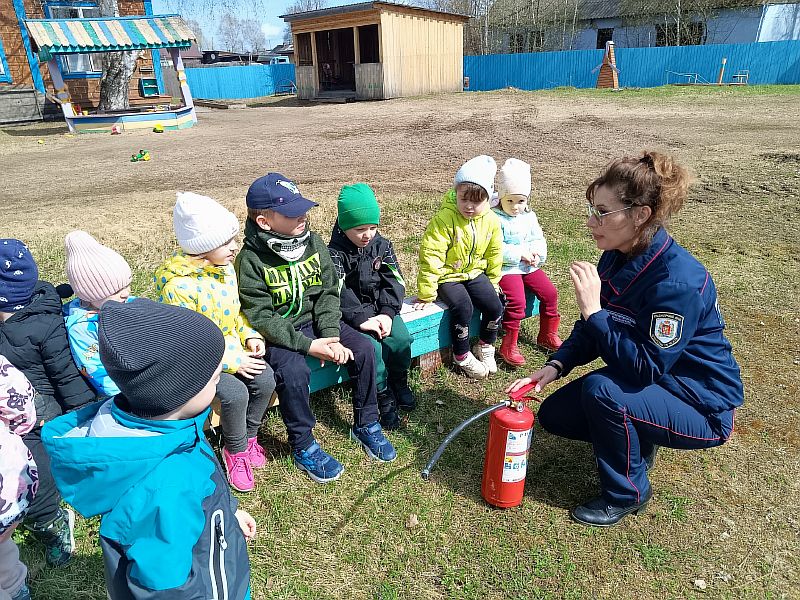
(431, 341)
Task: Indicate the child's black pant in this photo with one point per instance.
(462, 297)
(292, 377)
(44, 508)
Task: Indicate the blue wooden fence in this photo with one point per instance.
(249, 81)
(768, 62)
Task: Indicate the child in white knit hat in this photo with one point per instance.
(19, 477)
(524, 252)
(201, 277)
(97, 274)
(460, 258)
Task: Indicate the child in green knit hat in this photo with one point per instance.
(372, 291)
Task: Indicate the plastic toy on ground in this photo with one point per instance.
(143, 155)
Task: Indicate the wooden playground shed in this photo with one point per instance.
(377, 50)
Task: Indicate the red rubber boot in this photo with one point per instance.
(548, 333)
(509, 350)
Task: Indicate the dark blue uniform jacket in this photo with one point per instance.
(661, 324)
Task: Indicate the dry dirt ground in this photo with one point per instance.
(729, 516)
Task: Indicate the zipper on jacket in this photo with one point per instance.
(474, 241)
(216, 557)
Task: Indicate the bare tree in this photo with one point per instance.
(299, 6)
(230, 33)
(118, 67)
(253, 39)
(198, 32)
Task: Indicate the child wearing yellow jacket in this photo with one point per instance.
(460, 260)
(201, 277)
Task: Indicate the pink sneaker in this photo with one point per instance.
(240, 472)
(258, 456)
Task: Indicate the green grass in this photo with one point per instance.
(731, 510)
(675, 92)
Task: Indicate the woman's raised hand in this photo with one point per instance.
(587, 287)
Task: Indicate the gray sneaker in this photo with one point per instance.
(24, 593)
(472, 367)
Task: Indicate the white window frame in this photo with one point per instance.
(72, 65)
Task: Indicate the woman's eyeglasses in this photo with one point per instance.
(591, 211)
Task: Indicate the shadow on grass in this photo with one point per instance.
(83, 577)
(370, 491)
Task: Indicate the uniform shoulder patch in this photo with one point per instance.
(666, 328)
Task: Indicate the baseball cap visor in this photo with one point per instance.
(296, 207)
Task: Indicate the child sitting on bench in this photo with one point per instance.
(460, 259)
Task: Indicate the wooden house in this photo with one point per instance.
(377, 50)
(24, 80)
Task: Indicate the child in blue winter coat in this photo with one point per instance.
(524, 252)
(170, 527)
(97, 274)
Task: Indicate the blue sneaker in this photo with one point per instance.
(24, 593)
(374, 442)
(318, 464)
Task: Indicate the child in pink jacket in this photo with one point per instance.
(18, 475)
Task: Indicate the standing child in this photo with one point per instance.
(372, 292)
(97, 274)
(201, 278)
(290, 293)
(524, 252)
(460, 258)
(33, 338)
(18, 476)
(169, 527)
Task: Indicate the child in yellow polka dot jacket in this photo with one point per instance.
(201, 277)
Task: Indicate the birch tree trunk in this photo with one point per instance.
(118, 68)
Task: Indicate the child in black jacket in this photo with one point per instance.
(372, 292)
(33, 338)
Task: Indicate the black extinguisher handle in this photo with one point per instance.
(426, 472)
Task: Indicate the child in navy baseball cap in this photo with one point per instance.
(289, 292)
(275, 192)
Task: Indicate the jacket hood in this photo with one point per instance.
(45, 300)
(75, 311)
(182, 265)
(449, 204)
(340, 241)
(95, 473)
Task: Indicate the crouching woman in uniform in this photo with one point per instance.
(649, 311)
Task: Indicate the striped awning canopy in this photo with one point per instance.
(106, 34)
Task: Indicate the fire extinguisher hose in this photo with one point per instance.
(426, 472)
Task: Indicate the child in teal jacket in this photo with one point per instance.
(170, 528)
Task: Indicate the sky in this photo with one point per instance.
(271, 25)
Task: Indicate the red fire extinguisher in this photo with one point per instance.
(507, 446)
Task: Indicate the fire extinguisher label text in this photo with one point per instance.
(515, 463)
(518, 442)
